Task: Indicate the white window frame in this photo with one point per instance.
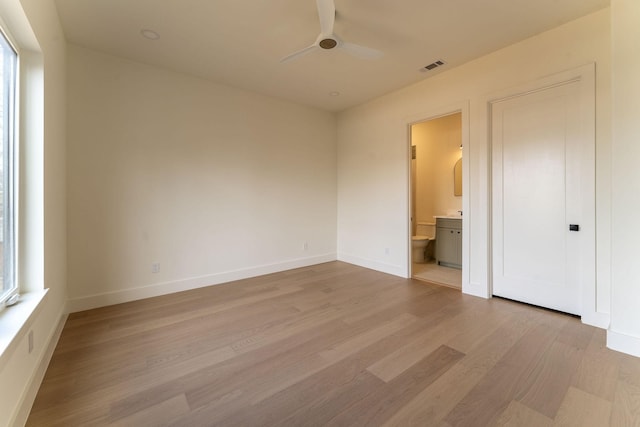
(10, 140)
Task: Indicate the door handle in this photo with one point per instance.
(574, 227)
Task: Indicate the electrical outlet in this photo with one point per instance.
(387, 251)
(30, 341)
(305, 246)
(155, 267)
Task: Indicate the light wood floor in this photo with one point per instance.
(333, 344)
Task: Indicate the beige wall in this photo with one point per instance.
(43, 256)
(437, 144)
(212, 182)
(373, 170)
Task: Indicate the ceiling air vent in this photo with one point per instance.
(433, 65)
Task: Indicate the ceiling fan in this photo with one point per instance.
(328, 40)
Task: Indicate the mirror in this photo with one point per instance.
(457, 178)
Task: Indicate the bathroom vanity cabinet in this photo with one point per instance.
(449, 242)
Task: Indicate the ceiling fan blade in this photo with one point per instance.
(298, 53)
(327, 14)
(360, 51)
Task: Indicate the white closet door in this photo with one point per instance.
(542, 164)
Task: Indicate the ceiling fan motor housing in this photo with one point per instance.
(328, 43)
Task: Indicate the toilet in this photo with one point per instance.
(423, 242)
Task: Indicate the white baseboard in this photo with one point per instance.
(624, 343)
(157, 289)
(374, 265)
(26, 402)
(599, 320)
(476, 290)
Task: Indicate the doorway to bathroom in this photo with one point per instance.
(436, 200)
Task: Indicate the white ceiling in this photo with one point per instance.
(240, 43)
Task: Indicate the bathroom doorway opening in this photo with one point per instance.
(436, 199)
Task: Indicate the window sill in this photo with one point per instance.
(15, 322)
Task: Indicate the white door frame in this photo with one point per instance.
(585, 75)
(435, 113)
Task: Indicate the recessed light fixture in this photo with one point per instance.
(150, 34)
(334, 93)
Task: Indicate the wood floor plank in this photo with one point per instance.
(182, 316)
(314, 401)
(321, 393)
(436, 401)
(596, 376)
(155, 383)
(519, 415)
(294, 348)
(626, 405)
(405, 357)
(629, 369)
(437, 308)
(343, 349)
(217, 384)
(576, 334)
(383, 402)
(385, 300)
(353, 290)
(235, 397)
(158, 415)
(358, 362)
(129, 358)
(291, 326)
(473, 332)
(545, 388)
(486, 401)
(547, 385)
(338, 352)
(581, 409)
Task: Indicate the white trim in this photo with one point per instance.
(27, 399)
(623, 343)
(599, 320)
(477, 290)
(157, 289)
(16, 320)
(395, 270)
(586, 76)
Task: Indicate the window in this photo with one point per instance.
(8, 148)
